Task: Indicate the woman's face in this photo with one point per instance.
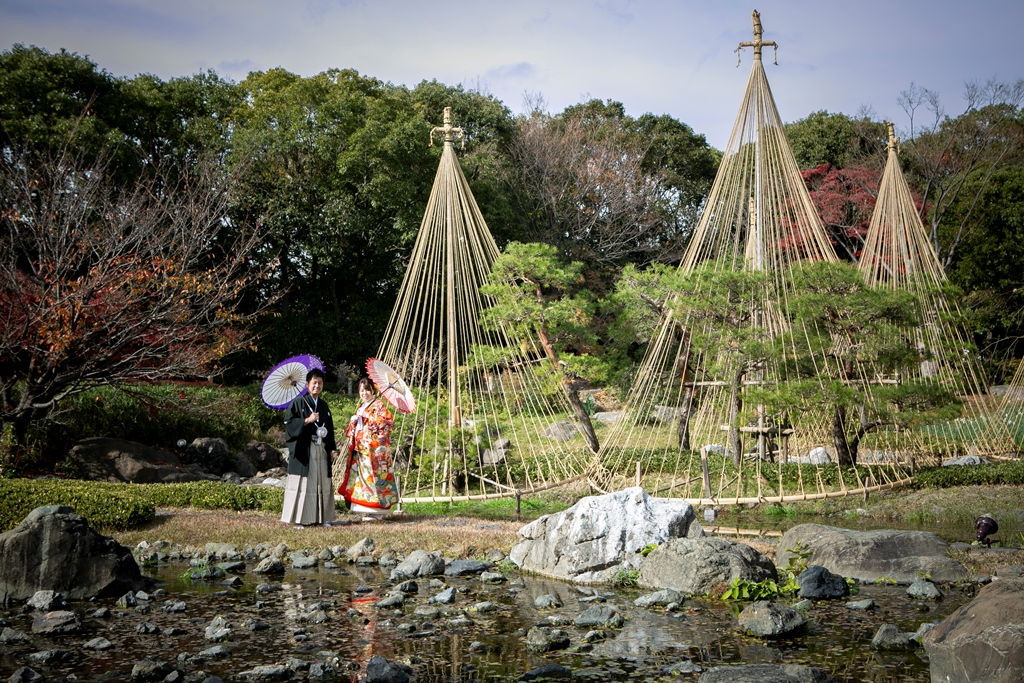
(315, 386)
(365, 393)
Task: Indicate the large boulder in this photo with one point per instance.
(560, 431)
(983, 641)
(263, 455)
(902, 556)
(117, 460)
(243, 467)
(54, 549)
(211, 454)
(602, 535)
(696, 565)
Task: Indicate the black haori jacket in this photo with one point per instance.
(299, 436)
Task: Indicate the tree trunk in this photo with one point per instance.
(581, 415)
(570, 391)
(13, 437)
(684, 419)
(735, 405)
(844, 456)
(682, 370)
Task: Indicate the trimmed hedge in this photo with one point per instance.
(992, 474)
(214, 495)
(112, 506)
(128, 506)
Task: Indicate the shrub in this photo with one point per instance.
(214, 495)
(155, 415)
(1009, 473)
(625, 578)
(128, 506)
(113, 506)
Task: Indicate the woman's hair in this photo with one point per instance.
(315, 372)
(365, 382)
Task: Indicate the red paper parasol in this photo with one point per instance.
(392, 387)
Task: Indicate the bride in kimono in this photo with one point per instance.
(369, 483)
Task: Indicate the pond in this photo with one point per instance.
(454, 642)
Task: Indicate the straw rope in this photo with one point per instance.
(483, 408)
(759, 218)
(898, 255)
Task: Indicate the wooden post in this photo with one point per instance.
(519, 500)
(704, 470)
(638, 473)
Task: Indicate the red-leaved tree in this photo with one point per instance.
(101, 284)
(845, 199)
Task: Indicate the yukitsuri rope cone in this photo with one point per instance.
(898, 255)
(693, 426)
(481, 429)
(1011, 407)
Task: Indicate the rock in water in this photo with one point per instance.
(694, 566)
(602, 535)
(419, 563)
(818, 583)
(902, 556)
(767, 619)
(379, 670)
(765, 673)
(54, 549)
(983, 641)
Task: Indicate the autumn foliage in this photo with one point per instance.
(845, 199)
(101, 284)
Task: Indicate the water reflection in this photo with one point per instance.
(333, 616)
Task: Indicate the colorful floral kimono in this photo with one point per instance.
(369, 483)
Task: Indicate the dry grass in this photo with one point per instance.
(457, 537)
(469, 537)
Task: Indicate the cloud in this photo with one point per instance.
(511, 72)
(617, 13)
(317, 10)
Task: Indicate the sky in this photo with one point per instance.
(671, 57)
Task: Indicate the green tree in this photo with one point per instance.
(63, 101)
(538, 297)
(47, 98)
(837, 140)
(952, 160)
(341, 171)
(821, 138)
(852, 348)
(721, 313)
(989, 268)
(488, 128)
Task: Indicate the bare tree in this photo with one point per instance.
(582, 187)
(948, 152)
(101, 284)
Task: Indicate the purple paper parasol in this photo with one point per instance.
(287, 380)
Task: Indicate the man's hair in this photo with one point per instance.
(315, 372)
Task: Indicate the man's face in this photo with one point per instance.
(315, 386)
